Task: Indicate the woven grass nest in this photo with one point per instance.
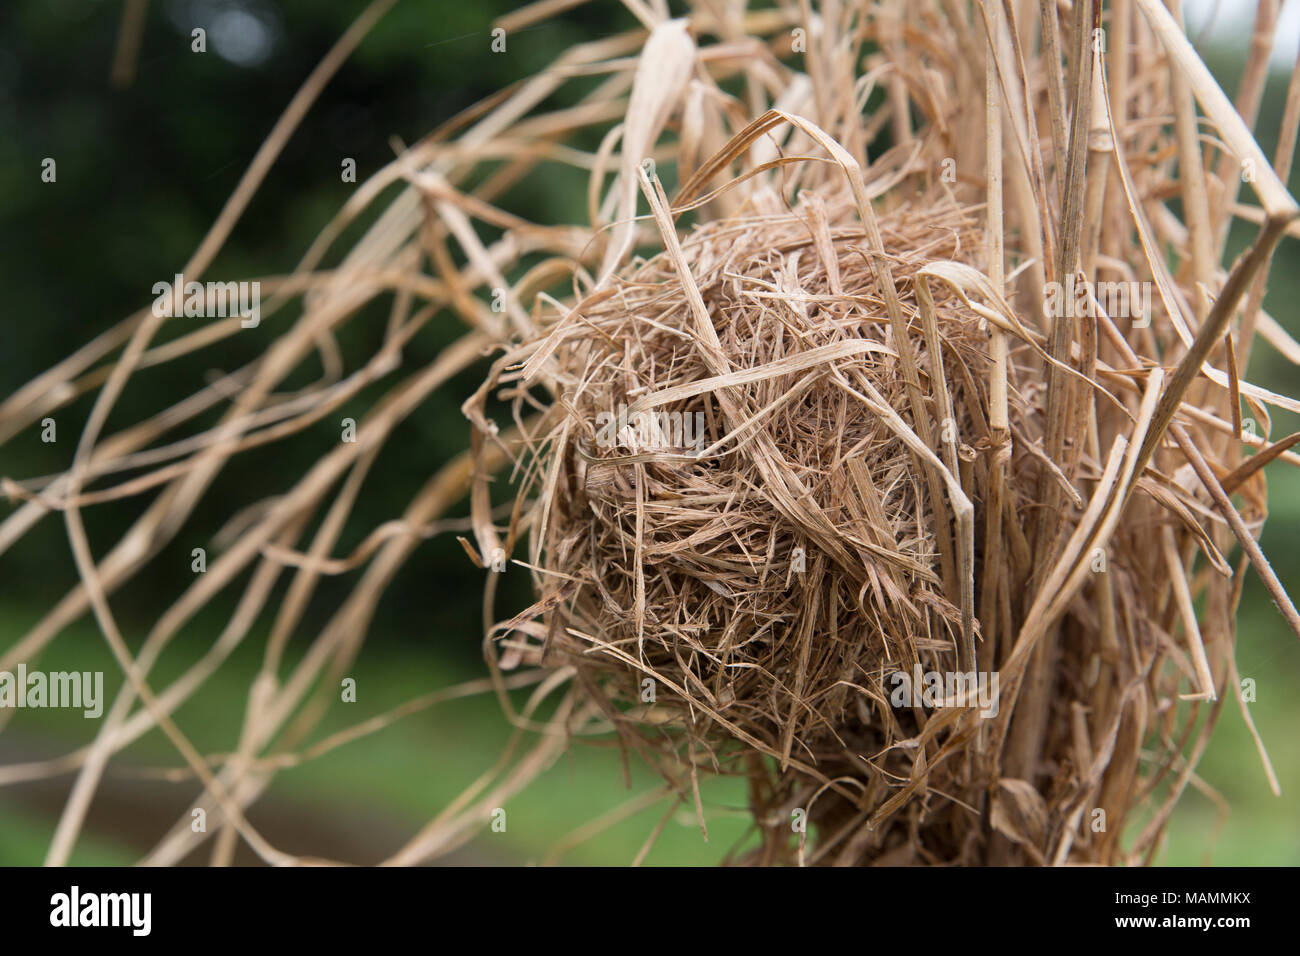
(749, 563)
(835, 466)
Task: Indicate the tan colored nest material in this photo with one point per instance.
(864, 436)
(676, 562)
(772, 575)
(772, 579)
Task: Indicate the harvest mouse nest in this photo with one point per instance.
(744, 547)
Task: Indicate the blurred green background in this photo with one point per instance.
(141, 174)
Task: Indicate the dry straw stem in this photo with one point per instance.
(863, 436)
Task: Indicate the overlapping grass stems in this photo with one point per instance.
(907, 462)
